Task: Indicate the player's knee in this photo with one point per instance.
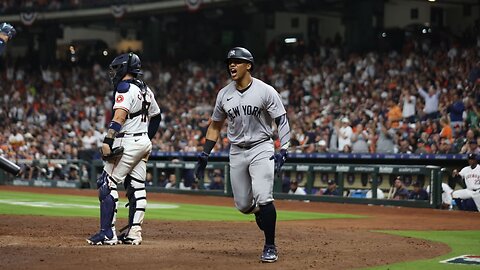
(246, 208)
(114, 194)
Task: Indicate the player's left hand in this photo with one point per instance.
(201, 165)
(105, 150)
(279, 159)
(112, 154)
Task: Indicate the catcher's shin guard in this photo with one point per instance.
(137, 203)
(137, 200)
(108, 197)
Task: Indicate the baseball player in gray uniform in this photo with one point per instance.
(125, 149)
(250, 106)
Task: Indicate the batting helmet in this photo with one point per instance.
(127, 63)
(240, 53)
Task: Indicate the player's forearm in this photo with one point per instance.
(213, 133)
(283, 131)
(115, 126)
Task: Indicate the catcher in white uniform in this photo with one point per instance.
(471, 176)
(125, 149)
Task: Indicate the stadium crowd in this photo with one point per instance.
(421, 100)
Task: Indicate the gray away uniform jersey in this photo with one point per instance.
(250, 115)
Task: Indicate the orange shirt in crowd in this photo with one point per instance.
(446, 132)
(394, 115)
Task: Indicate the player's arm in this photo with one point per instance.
(283, 128)
(213, 133)
(114, 128)
(153, 125)
(155, 117)
(284, 135)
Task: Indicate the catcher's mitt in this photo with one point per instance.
(115, 153)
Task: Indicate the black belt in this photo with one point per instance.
(250, 146)
(121, 135)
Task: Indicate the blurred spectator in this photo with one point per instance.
(172, 181)
(73, 173)
(409, 106)
(387, 138)
(401, 192)
(322, 147)
(471, 147)
(421, 147)
(332, 189)
(446, 131)
(472, 119)
(394, 114)
(455, 178)
(445, 147)
(58, 173)
(380, 194)
(216, 182)
(360, 140)
(456, 109)
(286, 179)
(162, 179)
(345, 133)
(431, 101)
(295, 189)
(418, 193)
(334, 137)
(149, 179)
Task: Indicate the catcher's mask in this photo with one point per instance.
(127, 63)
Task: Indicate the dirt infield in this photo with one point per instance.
(34, 242)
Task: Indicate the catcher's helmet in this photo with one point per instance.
(240, 53)
(127, 63)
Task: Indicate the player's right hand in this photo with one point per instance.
(279, 159)
(8, 30)
(201, 165)
(105, 150)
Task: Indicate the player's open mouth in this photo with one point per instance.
(233, 72)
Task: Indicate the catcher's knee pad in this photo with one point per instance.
(137, 200)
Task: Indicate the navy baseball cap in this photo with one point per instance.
(472, 156)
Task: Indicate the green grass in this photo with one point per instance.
(21, 203)
(461, 243)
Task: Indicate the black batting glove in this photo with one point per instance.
(201, 165)
(279, 159)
